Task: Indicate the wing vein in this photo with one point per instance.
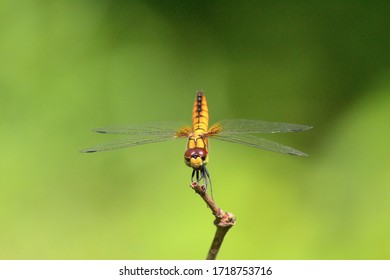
(259, 143)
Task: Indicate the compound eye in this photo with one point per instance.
(188, 154)
(195, 153)
(202, 153)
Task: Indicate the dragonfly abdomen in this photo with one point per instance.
(200, 114)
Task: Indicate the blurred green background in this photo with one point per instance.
(69, 66)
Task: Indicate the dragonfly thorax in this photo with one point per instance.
(196, 157)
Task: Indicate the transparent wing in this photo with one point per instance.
(155, 128)
(258, 142)
(135, 140)
(139, 135)
(240, 126)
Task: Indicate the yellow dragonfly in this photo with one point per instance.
(197, 154)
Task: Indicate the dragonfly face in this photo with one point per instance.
(196, 158)
(197, 154)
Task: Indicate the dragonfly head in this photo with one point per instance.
(196, 157)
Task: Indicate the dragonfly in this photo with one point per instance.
(196, 156)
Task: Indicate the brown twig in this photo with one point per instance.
(223, 220)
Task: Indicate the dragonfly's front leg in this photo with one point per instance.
(193, 175)
(203, 173)
(207, 179)
(197, 175)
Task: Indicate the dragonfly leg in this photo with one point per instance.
(199, 174)
(192, 175)
(207, 179)
(195, 173)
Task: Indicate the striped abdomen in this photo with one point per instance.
(200, 114)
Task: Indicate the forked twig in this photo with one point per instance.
(223, 220)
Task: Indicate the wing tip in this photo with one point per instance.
(302, 128)
(298, 153)
(99, 130)
(88, 151)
